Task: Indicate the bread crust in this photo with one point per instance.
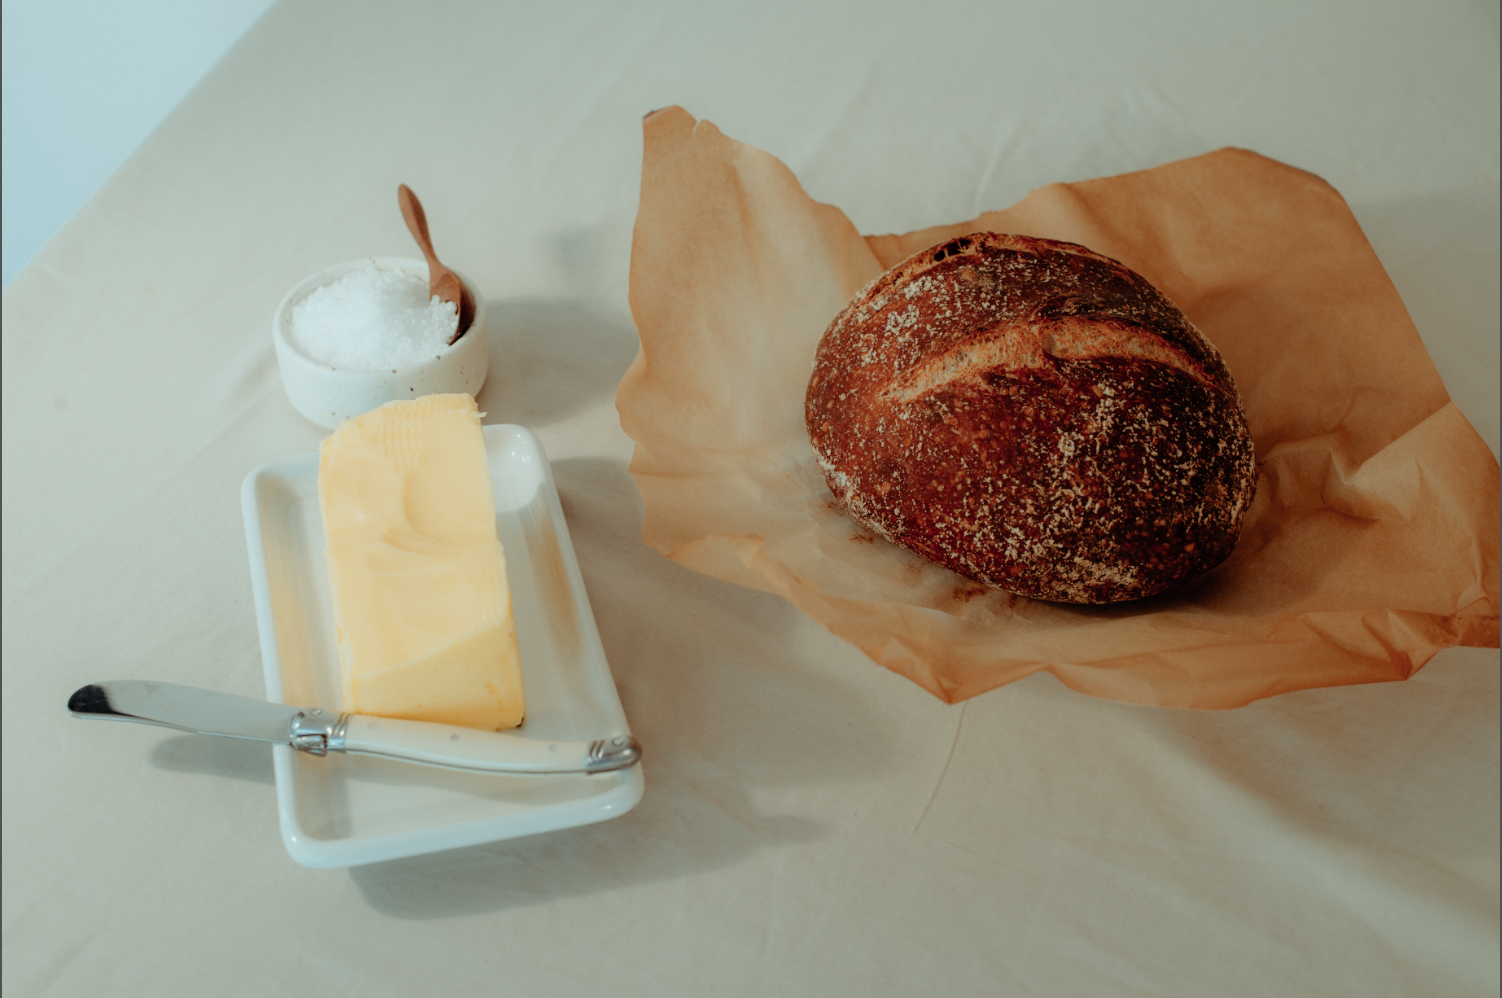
(1034, 416)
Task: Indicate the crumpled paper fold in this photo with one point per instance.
(1373, 540)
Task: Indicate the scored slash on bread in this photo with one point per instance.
(1034, 416)
(1012, 347)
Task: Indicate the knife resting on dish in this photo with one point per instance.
(318, 732)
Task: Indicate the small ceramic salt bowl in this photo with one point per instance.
(329, 395)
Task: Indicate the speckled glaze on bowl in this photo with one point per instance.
(330, 395)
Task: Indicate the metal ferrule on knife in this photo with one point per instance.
(318, 732)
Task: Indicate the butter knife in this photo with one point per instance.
(318, 732)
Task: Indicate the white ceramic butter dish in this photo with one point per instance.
(350, 810)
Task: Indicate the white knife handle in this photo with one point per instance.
(477, 751)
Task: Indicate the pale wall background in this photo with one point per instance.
(84, 82)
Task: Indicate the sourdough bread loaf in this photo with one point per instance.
(1034, 416)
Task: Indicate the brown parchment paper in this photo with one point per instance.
(1373, 540)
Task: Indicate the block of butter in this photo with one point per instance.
(422, 607)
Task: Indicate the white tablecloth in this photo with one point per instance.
(812, 825)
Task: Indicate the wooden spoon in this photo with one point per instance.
(441, 281)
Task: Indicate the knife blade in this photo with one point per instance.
(318, 732)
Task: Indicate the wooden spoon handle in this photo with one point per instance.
(417, 224)
(441, 281)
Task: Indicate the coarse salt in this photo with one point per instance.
(373, 320)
